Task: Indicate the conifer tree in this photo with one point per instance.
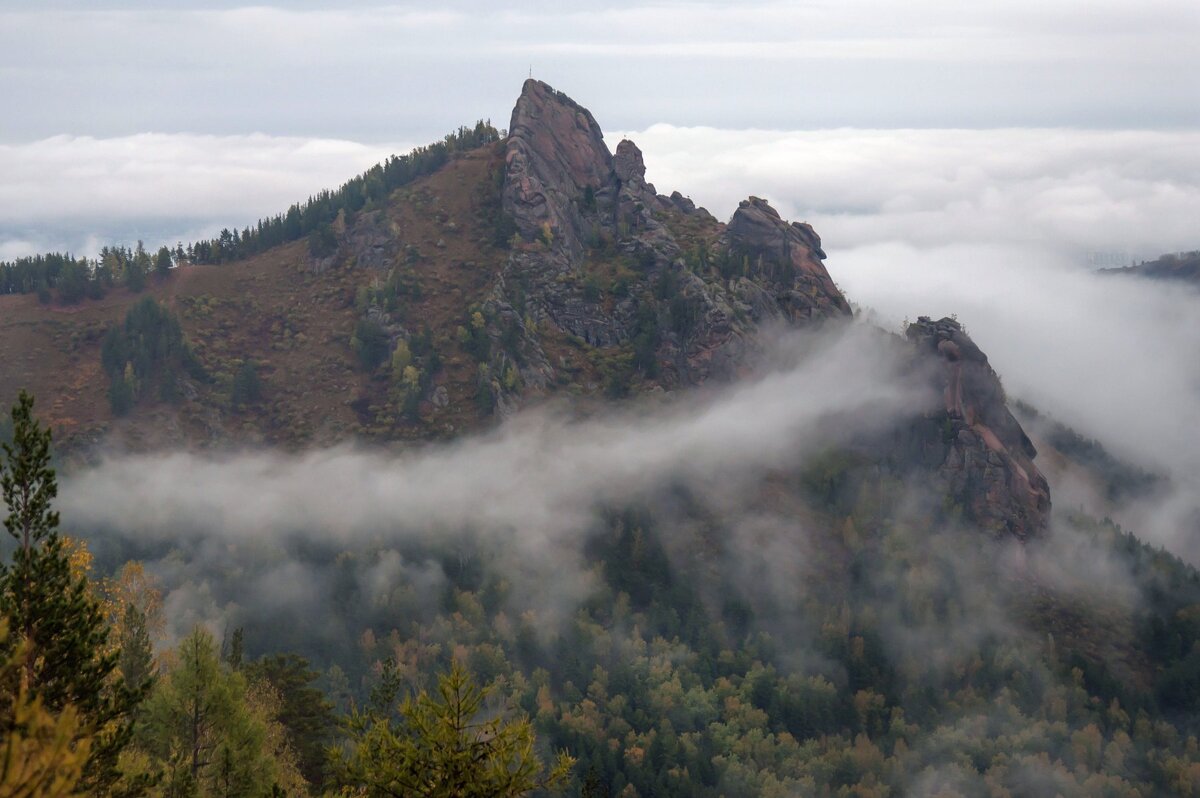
(443, 749)
(162, 262)
(136, 659)
(54, 621)
(201, 722)
(304, 711)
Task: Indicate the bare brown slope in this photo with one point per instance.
(288, 313)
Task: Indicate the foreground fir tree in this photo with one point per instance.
(56, 627)
(442, 749)
(215, 731)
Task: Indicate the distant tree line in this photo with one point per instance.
(313, 218)
(71, 279)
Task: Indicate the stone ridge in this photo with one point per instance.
(576, 205)
(985, 456)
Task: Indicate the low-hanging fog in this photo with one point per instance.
(529, 490)
(1004, 229)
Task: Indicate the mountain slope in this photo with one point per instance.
(543, 265)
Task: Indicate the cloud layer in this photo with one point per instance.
(1116, 194)
(1066, 191)
(79, 192)
(540, 472)
(526, 494)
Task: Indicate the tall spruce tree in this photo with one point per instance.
(54, 621)
(136, 658)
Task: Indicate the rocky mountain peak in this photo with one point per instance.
(555, 152)
(694, 293)
(691, 290)
(985, 456)
(562, 132)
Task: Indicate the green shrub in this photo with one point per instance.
(371, 343)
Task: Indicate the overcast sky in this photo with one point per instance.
(401, 71)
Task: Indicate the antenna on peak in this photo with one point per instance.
(531, 71)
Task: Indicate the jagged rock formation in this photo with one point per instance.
(790, 255)
(978, 451)
(587, 216)
(582, 211)
(555, 151)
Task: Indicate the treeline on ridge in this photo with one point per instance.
(71, 279)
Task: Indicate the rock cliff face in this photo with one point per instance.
(599, 259)
(978, 451)
(555, 152)
(789, 256)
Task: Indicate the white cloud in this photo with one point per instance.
(525, 494)
(78, 192)
(539, 474)
(1067, 190)
(1072, 191)
(160, 176)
